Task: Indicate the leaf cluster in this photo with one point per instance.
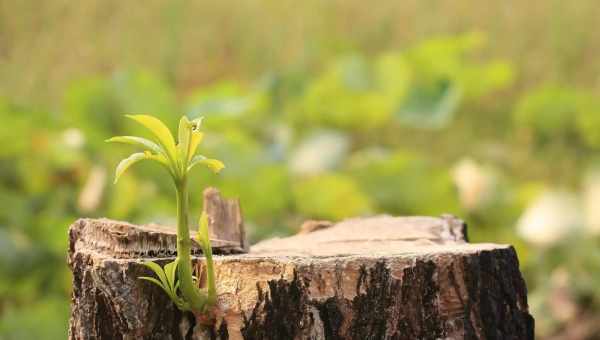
(167, 280)
(178, 158)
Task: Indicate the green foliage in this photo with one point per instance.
(178, 159)
(552, 112)
(330, 196)
(587, 120)
(404, 183)
(421, 87)
(43, 319)
(167, 280)
(350, 81)
(441, 76)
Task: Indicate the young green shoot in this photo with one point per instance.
(178, 159)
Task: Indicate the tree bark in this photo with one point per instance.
(365, 278)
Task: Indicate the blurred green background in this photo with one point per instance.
(320, 109)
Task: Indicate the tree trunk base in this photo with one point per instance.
(368, 278)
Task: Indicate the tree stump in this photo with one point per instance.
(381, 277)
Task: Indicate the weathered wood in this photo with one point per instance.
(118, 239)
(366, 278)
(225, 218)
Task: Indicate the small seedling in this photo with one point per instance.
(176, 278)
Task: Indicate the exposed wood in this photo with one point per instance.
(312, 225)
(383, 235)
(118, 239)
(225, 218)
(367, 278)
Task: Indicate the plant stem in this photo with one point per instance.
(210, 274)
(189, 291)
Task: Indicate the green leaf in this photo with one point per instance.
(194, 142)
(158, 283)
(189, 138)
(167, 278)
(158, 271)
(138, 141)
(214, 164)
(202, 236)
(184, 136)
(127, 162)
(170, 292)
(136, 157)
(159, 158)
(170, 271)
(155, 281)
(160, 130)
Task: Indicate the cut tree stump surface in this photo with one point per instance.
(365, 278)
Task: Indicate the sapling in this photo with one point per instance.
(176, 278)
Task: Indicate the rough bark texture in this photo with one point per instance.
(367, 278)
